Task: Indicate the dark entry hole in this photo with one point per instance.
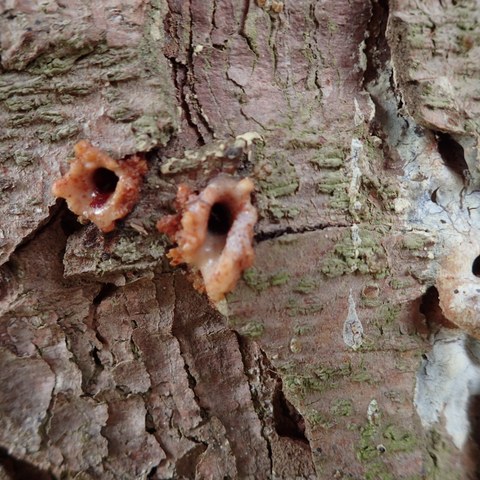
(107, 290)
(476, 267)
(288, 421)
(452, 154)
(220, 220)
(69, 222)
(430, 307)
(105, 180)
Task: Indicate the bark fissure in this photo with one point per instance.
(180, 78)
(18, 469)
(255, 397)
(275, 234)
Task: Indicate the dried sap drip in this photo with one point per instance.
(214, 232)
(99, 188)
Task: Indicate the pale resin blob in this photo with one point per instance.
(99, 188)
(214, 232)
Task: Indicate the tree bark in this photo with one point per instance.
(349, 349)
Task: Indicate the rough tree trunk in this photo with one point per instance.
(339, 356)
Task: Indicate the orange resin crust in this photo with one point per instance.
(220, 257)
(85, 198)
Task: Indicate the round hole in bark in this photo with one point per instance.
(220, 219)
(104, 180)
(476, 267)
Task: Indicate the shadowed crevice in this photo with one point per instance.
(106, 291)
(22, 470)
(473, 444)
(287, 419)
(452, 154)
(430, 308)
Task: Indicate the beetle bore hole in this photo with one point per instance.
(104, 180)
(220, 219)
(476, 267)
(452, 154)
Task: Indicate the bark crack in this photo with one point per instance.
(256, 402)
(192, 382)
(263, 236)
(243, 28)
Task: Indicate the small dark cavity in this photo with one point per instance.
(69, 223)
(433, 196)
(107, 290)
(476, 267)
(430, 308)
(288, 420)
(220, 220)
(96, 359)
(452, 154)
(152, 473)
(149, 423)
(104, 182)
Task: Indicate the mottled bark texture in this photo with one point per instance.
(339, 356)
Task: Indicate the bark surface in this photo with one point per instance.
(349, 350)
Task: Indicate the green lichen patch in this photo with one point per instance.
(26, 103)
(278, 210)
(401, 283)
(331, 181)
(398, 439)
(255, 279)
(216, 156)
(260, 281)
(252, 330)
(148, 132)
(380, 439)
(306, 285)
(333, 162)
(280, 278)
(365, 255)
(68, 130)
(329, 157)
(382, 189)
(319, 420)
(125, 251)
(341, 407)
(302, 329)
(314, 378)
(123, 112)
(276, 178)
(384, 320)
(416, 241)
(299, 307)
(53, 64)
